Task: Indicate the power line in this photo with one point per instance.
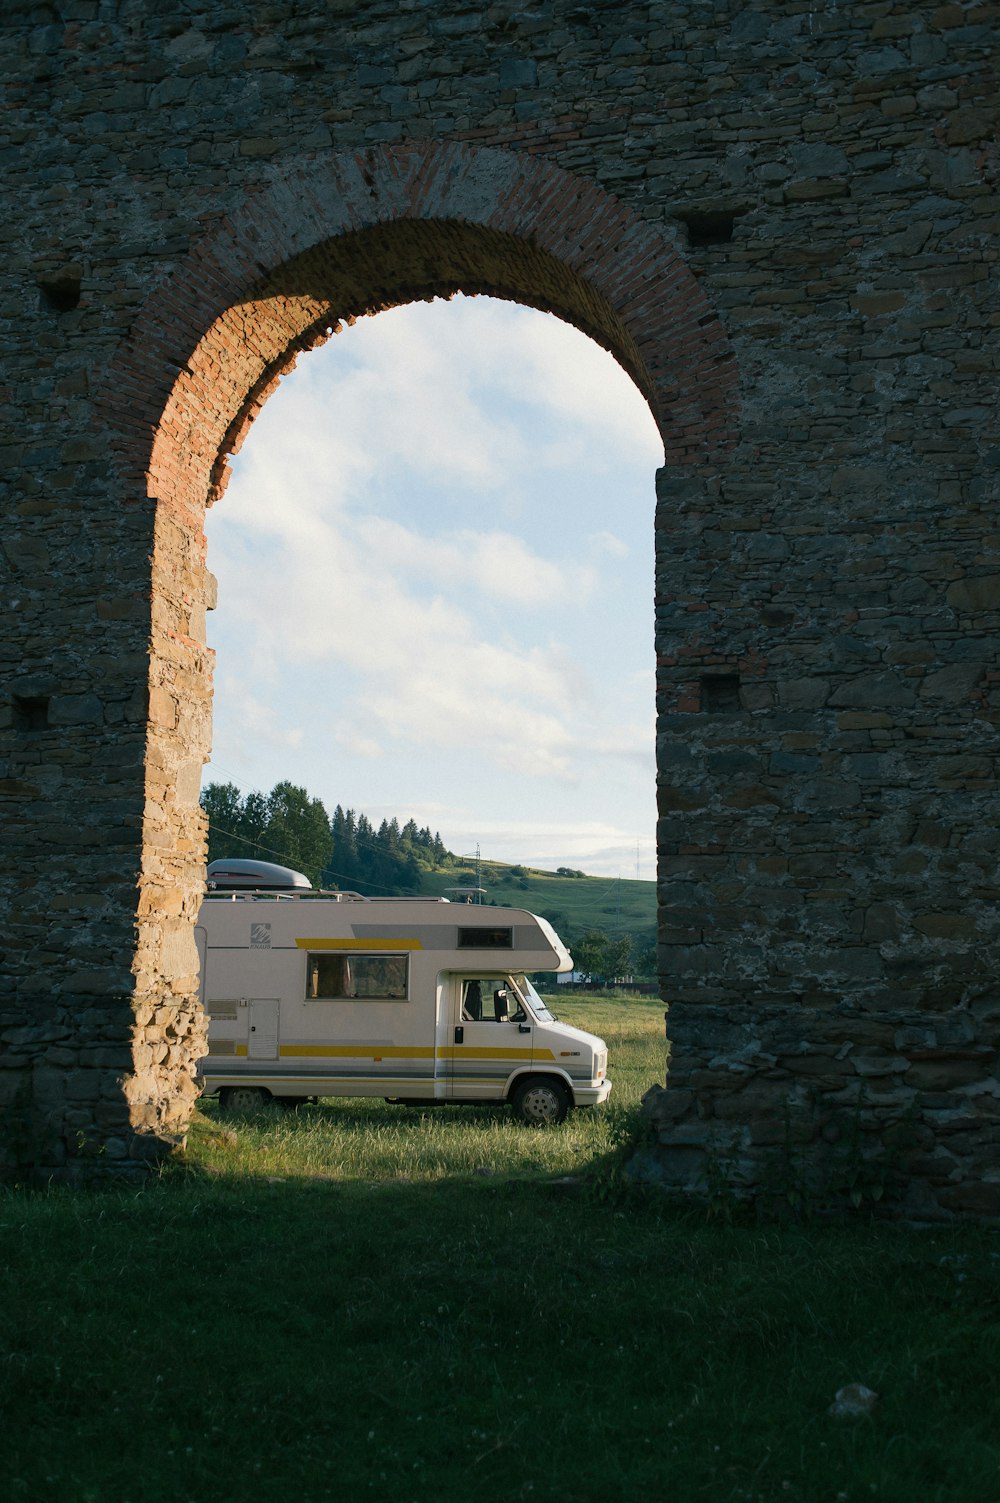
(282, 856)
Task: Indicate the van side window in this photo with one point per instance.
(360, 978)
(491, 999)
(485, 939)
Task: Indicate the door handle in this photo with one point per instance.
(459, 1035)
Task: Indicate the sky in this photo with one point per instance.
(435, 566)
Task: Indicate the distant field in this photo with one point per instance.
(583, 902)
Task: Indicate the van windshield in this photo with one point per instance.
(534, 1002)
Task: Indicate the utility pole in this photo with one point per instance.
(463, 891)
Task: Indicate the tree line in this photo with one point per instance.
(347, 851)
(293, 829)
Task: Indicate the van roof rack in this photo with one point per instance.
(278, 895)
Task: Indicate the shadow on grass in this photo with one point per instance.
(233, 1334)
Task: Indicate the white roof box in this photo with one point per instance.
(240, 875)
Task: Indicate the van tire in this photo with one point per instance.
(246, 1100)
(540, 1101)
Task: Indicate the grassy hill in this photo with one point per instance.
(571, 904)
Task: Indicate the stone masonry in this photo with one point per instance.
(781, 217)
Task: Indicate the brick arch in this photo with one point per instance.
(339, 237)
(350, 234)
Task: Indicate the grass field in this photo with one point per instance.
(363, 1301)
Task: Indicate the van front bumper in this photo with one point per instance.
(592, 1095)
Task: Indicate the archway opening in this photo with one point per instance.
(435, 609)
(364, 234)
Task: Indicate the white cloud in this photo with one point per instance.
(607, 542)
(577, 380)
(508, 707)
(496, 563)
(426, 673)
(359, 745)
(415, 394)
(255, 716)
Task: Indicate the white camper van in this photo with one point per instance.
(315, 994)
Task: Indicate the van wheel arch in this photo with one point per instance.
(540, 1100)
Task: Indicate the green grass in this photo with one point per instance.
(370, 1302)
(350, 1139)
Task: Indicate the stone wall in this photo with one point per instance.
(830, 1110)
(782, 219)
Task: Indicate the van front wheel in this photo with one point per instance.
(540, 1103)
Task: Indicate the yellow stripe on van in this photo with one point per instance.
(401, 1051)
(465, 1051)
(359, 944)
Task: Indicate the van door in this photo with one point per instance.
(490, 1038)
(262, 1040)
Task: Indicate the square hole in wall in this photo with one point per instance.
(31, 712)
(720, 693)
(709, 226)
(60, 293)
